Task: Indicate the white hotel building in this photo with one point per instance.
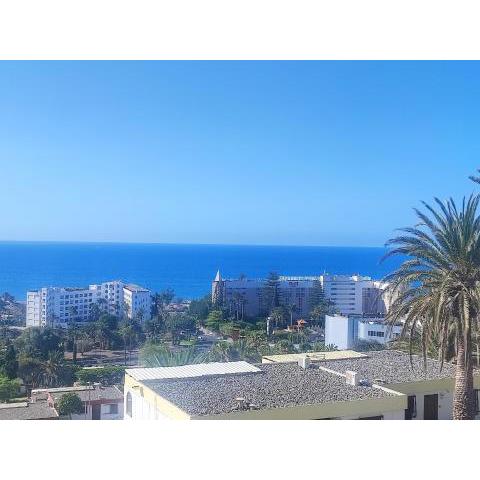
(350, 294)
(56, 306)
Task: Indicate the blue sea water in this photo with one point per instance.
(188, 269)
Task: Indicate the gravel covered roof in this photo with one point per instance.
(277, 385)
(27, 411)
(392, 367)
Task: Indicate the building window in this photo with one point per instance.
(113, 409)
(477, 402)
(129, 404)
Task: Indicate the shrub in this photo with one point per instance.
(8, 388)
(105, 375)
(69, 404)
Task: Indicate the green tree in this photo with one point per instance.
(316, 295)
(30, 371)
(200, 308)
(270, 295)
(38, 342)
(436, 289)
(8, 388)
(52, 369)
(214, 319)
(126, 331)
(108, 375)
(105, 330)
(324, 307)
(153, 328)
(292, 310)
(277, 316)
(8, 361)
(160, 300)
(159, 355)
(178, 324)
(70, 404)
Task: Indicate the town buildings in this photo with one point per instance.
(376, 385)
(28, 411)
(345, 331)
(353, 294)
(99, 402)
(56, 306)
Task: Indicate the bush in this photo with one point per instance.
(8, 388)
(69, 404)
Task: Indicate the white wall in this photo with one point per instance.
(337, 332)
(141, 409)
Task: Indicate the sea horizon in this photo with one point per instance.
(186, 268)
(118, 242)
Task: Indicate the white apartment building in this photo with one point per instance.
(137, 301)
(355, 294)
(56, 306)
(351, 294)
(344, 331)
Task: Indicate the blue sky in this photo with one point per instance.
(299, 153)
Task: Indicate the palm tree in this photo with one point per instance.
(292, 309)
(277, 316)
(126, 332)
(158, 355)
(51, 369)
(436, 289)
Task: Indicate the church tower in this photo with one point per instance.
(217, 289)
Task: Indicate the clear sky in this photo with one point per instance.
(300, 153)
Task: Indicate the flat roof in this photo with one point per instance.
(391, 367)
(313, 356)
(190, 371)
(135, 288)
(90, 394)
(275, 385)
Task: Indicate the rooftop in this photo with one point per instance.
(90, 394)
(190, 371)
(27, 411)
(86, 393)
(313, 356)
(391, 367)
(275, 385)
(135, 288)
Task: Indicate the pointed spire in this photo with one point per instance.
(218, 277)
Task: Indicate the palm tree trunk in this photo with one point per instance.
(478, 349)
(463, 402)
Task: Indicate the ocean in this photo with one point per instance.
(188, 269)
